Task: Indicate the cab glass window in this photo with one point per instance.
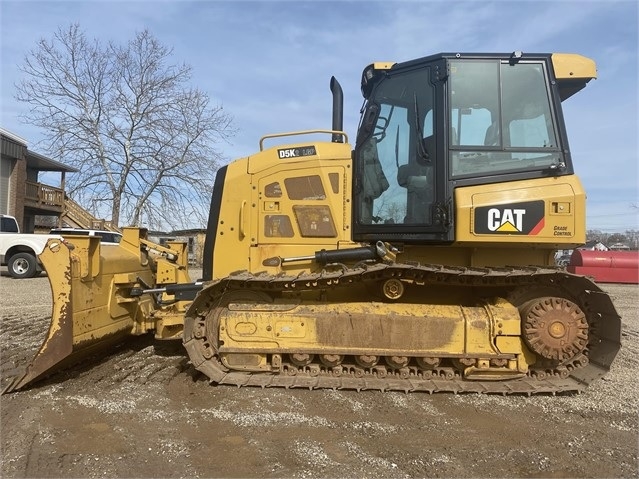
(501, 118)
(396, 153)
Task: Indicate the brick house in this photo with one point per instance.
(21, 193)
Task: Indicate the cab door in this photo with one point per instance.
(400, 191)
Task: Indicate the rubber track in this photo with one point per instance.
(604, 331)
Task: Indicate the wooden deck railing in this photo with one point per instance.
(71, 212)
(44, 194)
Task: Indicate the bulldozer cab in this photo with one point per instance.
(431, 125)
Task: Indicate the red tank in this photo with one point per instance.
(606, 266)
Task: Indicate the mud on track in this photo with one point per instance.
(144, 412)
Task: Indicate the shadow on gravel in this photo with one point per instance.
(5, 274)
(120, 352)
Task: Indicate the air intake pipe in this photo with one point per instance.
(338, 110)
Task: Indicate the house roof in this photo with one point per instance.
(35, 161)
(40, 162)
(13, 136)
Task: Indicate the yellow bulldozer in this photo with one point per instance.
(422, 259)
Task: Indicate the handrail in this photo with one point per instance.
(44, 194)
(72, 211)
(83, 219)
(303, 132)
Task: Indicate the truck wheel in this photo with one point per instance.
(22, 265)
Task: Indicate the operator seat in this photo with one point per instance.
(418, 178)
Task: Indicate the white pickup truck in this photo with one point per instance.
(19, 251)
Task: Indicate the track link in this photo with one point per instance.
(604, 326)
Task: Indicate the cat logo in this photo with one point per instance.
(506, 220)
(519, 218)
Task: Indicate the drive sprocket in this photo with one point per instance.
(554, 328)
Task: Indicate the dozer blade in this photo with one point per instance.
(59, 342)
(91, 306)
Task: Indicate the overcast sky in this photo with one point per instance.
(269, 64)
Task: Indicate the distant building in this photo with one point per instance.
(619, 247)
(194, 239)
(594, 245)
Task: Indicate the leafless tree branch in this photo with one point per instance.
(127, 118)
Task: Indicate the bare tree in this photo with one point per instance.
(633, 238)
(125, 116)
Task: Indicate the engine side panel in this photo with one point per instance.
(275, 206)
(545, 213)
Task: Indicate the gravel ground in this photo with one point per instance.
(144, 412)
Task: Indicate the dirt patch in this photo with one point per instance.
(144, 412)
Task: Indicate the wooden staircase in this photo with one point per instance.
(74, 216)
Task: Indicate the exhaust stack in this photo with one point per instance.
(338, 110)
